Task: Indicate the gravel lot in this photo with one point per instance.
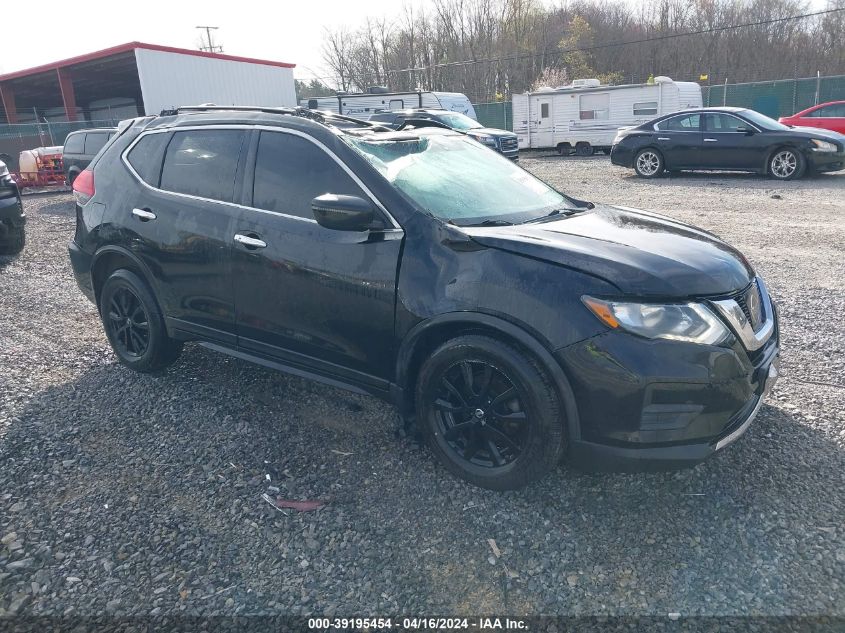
(133, 495)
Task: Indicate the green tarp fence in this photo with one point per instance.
(496, 115)
(773, 98)
(777, 98)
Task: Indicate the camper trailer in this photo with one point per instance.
(378, 99)
(585, 115)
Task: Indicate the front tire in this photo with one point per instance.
(786, 164)
(134, 324)
(648, 163)
(490, 413)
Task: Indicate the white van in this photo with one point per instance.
(585, 115)
(362, 105)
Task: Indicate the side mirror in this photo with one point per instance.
(344, 213)
(748, 131)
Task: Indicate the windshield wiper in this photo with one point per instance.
(564, 211)
(485, 223)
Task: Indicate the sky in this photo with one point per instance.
(280, 31)
(284, 30)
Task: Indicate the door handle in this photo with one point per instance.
(711, 140)
(145, 215)
(663, 138)
(249, 241)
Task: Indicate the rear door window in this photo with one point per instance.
(74, 144)
(724, 123)
(145, 157)
(94, 142)
(832, 111)
(689, 123)
(291, 171)
(203, 163)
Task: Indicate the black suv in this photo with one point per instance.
(80, 149)
(512, 323)
(12, 217)
(504, 142)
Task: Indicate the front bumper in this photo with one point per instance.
(593, 456)
(659, 404)
(826, 161)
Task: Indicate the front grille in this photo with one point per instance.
(751, 303)
(509, 143)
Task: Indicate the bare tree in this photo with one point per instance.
(491, 48)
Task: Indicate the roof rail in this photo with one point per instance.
(315, 115)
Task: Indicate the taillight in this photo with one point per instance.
(83, 187)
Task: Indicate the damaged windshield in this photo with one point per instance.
(458, 180)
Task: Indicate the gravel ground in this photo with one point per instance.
(131, 495)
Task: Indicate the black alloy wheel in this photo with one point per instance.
(128, 323)
(480, 414)
(134, 323)
(490, 412)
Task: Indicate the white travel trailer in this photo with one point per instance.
(377, 99)
(585, 116)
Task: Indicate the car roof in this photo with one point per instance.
(731, 109)
(317, 122)
(93, 129)
(407, 111)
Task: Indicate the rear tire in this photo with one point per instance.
(134, 324)
(14, 241)
(584, 149)
(564, 149)
(786, 164)
(491, 413)
(648, 163)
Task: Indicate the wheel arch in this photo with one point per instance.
(111, 258)
(425, 337)
(653, 148)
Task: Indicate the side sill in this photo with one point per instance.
(367, 390)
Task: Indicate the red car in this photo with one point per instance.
(828, 116)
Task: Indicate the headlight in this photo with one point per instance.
(489, 141)
(823, 146)
(691, 322)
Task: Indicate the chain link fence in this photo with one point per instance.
(17, 137)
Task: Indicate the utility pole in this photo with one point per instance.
(210, 47)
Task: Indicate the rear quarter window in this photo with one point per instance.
(74, 144)
(203, 163)
(145, 157)
(94, 142)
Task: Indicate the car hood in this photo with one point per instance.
(819, 133)
(641, 253)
